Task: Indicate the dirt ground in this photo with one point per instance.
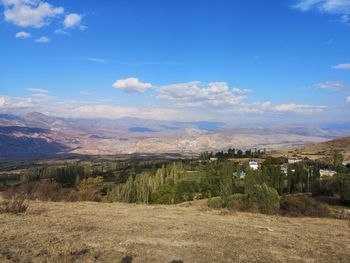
(100, 232)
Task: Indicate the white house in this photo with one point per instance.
(284, 169)
(295, 160)
(327, 173)
(253, 165)
(213, 159)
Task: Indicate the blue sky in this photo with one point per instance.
(235, 61)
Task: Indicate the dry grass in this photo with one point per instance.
(100, 232)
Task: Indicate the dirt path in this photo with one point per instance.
(97, 232)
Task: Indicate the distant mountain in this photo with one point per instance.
(36, 135)
(140, 129)
(29, 147)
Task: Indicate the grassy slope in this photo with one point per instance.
(319, 150)
(97, 232)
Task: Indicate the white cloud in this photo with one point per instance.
(348, 99)
(9, 103)
(61, 32)
(22, 35)
(241, 91)
(330, 85)
(299, 108)
(195, 94)
(43, 40)
(131, 85)
(345, 66)
(336, 7)
(38, 90)
(73, 20)
(30, 13)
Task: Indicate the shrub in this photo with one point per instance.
(240, 202)
(90, 189)
(16, 205)
(215, 202)
(342, 185)
(266, 198)
(44, 190)
(185, 190)
(302, 205)
(163, 195)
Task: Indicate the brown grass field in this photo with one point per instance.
(101, 232)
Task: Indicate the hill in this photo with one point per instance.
(324, 148)
(101, 232)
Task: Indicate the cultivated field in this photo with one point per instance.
(100, 232)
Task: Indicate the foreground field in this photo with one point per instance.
(98, 232)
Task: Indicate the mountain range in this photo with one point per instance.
(37, 135)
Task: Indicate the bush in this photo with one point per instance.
(342, 185)
(240, 202)
(90, 189)
(185, 190)
(163, 195)
(215, 202)
(266, 198)
(302, 205)
(44, 190)
(16, 205)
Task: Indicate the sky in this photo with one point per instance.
(248, 61)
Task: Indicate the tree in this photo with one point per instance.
(184, 191)
(342, 186)
(266, 198)
(90, 189)
(337, 160)
(226, 183)
(253, 177)
(163, 195)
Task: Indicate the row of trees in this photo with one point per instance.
(234, 153)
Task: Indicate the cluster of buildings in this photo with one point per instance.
(254, 165)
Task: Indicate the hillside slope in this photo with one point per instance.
(100, 232)
(325, 148)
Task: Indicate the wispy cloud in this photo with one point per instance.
(38, 90)
(331, 85)
(43, 40)
(344, 66)
(60, 31)
(241, 91)
(88, 59)
(348, 99)
(335, 7)
(22, 35)
(299, 108)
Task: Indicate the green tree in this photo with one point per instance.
(253, 177)
(342, 187)
(338, 160)
(163, 195)
(266, 198)
(226, 183)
